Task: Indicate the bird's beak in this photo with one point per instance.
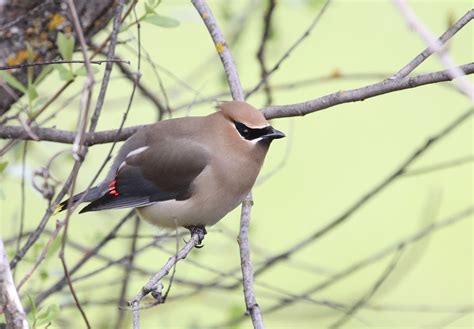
(273, 134)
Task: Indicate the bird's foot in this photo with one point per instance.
(200, 230)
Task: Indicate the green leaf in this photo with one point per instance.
(149, 9)
(32, 314)
(3, 165)
(47, 314)
(65, 45)
(82, 71)
(12, 81)
(162, 21)
(64, 73)
(32, 93)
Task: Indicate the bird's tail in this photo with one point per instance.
(92, 194)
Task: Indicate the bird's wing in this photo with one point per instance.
(163, 171)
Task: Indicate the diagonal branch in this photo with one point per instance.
(369, 195)
(360, 94)
(9, 300)
(222, 49)
(436, 46)
(154, 283)
(415, 62)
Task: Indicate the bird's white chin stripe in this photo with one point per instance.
(255, 141)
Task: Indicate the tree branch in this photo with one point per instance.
(154, 283)
(360, 94)
(415, 62)
(238, 94)
(436, 46)
(272, 112)
(9, 300)
(222, 49)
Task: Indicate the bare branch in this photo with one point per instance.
(398, 172)
(20, 66)
(272, 112)
(360, 94)
(436, 46)
(67, 137)
(351, 269)
(415, 62)
(439, 166)
(222, 48)
(267, 25)
(247, 272)
(196, 238)
(363, 300)
(42, 256)
(9, 300)
(291, 49)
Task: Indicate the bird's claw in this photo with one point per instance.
(200, 230)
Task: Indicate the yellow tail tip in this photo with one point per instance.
(57, 209)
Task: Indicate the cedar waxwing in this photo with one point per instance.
(189, 171)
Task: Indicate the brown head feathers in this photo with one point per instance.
(237, 111)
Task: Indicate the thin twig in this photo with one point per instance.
(56, 62)
(267, 26)
(378, 283)
(291, 49)
(127, 272)
(439, 166)
(42, 256)
(436, 46)
(78, 148)
(365, 198)
(375, 257)
(61, 283)
(415, 62)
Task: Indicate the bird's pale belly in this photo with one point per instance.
(172, 213)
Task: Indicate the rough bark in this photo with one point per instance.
(37, 23)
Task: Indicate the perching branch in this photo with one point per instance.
(237, 94)
(154, 283)
(247, 273)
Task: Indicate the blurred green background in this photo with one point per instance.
(328, 161)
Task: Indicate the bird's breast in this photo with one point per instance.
(215, 193)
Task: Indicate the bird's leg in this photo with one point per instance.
(200, 230)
